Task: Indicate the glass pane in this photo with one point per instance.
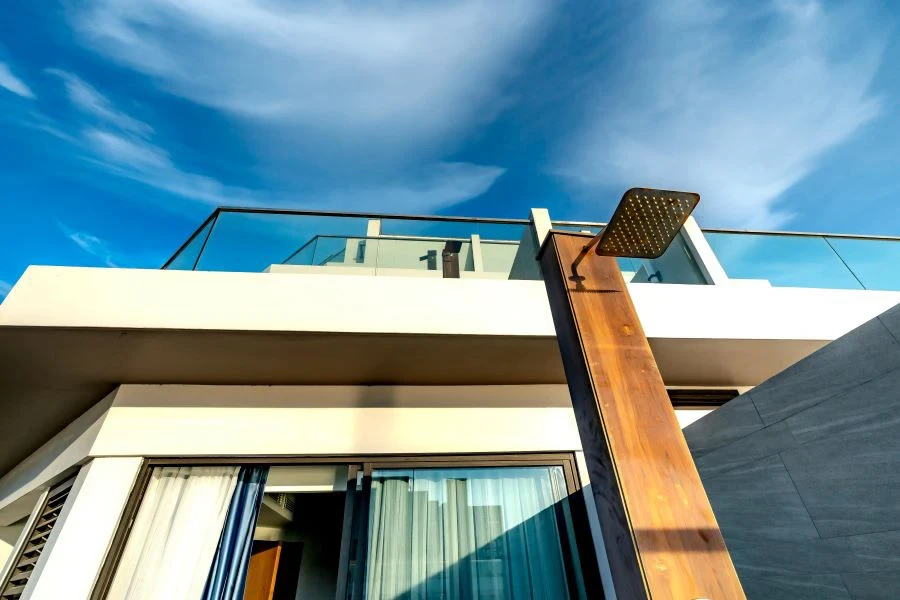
(422, 255)
(593, 229)
(498, 256)
(452, 230)
(332, 251)
(676, 265)
(433, 229)
(252, 242)
(505, 232)
(187, 256)
(305, 255)
(469, 533)
(629, 267)
(876, 263)
(783, 260)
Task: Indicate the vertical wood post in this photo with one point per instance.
(661, 536)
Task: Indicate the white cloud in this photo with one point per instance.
(5, 287)
(91, 244)
(338, 81)
(12, 83)
(736, 104)
(426, 190)
(89, 100)
(124, 146)
(140, 160)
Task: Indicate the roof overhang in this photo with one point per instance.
(68, 336)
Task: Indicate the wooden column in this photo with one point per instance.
(659, 530)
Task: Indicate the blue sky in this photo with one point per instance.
(123, 123)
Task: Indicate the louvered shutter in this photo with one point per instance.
(31, 550)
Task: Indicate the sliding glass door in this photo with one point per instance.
(492, 533)
(376, 528)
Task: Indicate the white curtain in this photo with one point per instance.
(466, 533)
(175, 534)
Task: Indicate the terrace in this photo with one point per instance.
(272, 240)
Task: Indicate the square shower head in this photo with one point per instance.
(645, 222)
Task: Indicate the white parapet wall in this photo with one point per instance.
(330, 302)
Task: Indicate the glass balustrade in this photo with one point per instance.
(676, 265)
(260, 240)
(255, 241)
(817, 261)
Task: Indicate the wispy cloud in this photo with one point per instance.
(90, 101)
(336, 82)
(734, 103)
(123, 145)
(13, 84)
(427, 189)
(93, 245)
(5, 287)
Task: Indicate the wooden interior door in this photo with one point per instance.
(264, 560)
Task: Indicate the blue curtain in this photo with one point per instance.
(228, 575)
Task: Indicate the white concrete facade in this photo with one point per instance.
(158, 421)
(74, 554)
(81, 332)
(329, 303)
(161, 421)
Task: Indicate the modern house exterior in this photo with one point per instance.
(386, 394)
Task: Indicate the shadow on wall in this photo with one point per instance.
(803, 472)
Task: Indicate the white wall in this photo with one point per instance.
(9, 535)
(184, 420)
(74, 554)
(87, 297)
(176, 420)
(67, 448)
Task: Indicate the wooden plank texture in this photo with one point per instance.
(661, 536)
(262, 571)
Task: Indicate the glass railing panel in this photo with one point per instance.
(498, 241)
(783, 260)
(593, 229)
(451, 229)
(385, 253)
(305, 255)
(875, 263)
(187, 256)
(243, 241)
(676, 265)
(629, 267)
(337, 251)
(498, 256)
(505, 232)
(419, 254)
(428, 228)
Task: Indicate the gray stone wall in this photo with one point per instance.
(803, 472)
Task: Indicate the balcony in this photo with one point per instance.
(278, 241)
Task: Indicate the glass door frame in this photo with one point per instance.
(366, 464)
